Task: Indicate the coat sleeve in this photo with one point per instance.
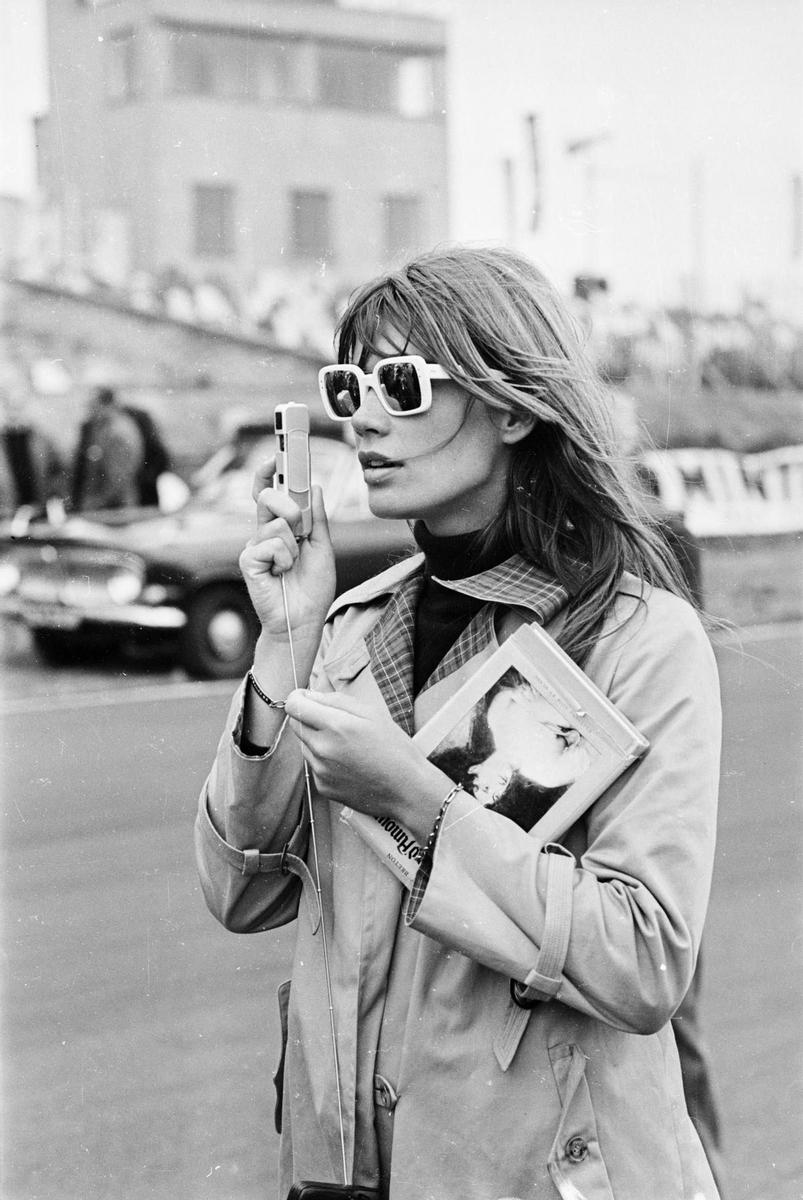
(631, 909)
(251, 830)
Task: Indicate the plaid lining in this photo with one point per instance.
(474, 638)
(425, 865)
(515, 583)
(390, 647)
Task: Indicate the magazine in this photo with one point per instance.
(529, 735)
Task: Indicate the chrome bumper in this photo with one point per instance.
(59, 616)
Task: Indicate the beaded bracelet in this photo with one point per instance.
(264, 697)
(436, 828)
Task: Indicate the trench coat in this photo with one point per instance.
(578, 1096)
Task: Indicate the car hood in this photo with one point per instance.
(149, 534)
(198, 539)
(168, 535)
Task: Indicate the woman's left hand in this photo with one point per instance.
(365, 760)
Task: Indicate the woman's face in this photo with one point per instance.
(490, 778)
(530, 735)
(446, 467)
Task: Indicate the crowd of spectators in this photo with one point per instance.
(296, 309)
(750, 349)
(118, 455)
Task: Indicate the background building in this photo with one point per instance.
(255, 135)
(234, 166)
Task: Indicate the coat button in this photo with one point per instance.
(576, 1149)
(384, 1093)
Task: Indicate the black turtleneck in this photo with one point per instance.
(442, 614)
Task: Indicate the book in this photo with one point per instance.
(529, 735)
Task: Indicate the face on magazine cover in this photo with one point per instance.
(446, 466)
(531, 737)
(490, 777)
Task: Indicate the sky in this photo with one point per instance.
(23, 90)
(700, 105)
(694, 109)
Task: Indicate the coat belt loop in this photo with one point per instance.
(543, 982)
(287, 863)
(250, 864)
(298, 867)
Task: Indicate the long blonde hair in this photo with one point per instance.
(504, 334)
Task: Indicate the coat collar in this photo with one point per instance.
(514, 582)
(390, 643)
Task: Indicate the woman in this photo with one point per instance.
(503, 1031)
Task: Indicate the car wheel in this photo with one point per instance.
(222, 628)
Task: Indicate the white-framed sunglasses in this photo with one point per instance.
(403, 385)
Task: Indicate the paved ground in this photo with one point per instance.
(754, 965)
(139, 1038)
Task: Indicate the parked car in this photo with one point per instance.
(126, 577)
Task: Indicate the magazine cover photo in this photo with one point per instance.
(531, 737)
(515, 751)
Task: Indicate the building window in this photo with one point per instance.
(231, 66)
(418, 90)
(310, 225)
(272, 66)
(191, 62)
(214, 220)
(353, 77)
(402, 225)
(367, 77)
(121, 66)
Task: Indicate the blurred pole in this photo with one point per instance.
(592, 216)
(584, 149)
(697, 216)
(797, 217)
(509, 189)
(534, 148)
(697, 297)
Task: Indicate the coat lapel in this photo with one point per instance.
(390, 648)
(390, 643)
(542, 603)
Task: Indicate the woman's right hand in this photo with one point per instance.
(272, 551)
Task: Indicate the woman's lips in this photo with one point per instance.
(369, 459)
(375, 466)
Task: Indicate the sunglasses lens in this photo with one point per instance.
(343, 391)
(401, 386)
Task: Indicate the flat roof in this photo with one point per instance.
(302, 20)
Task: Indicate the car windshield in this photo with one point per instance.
(334, 467)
